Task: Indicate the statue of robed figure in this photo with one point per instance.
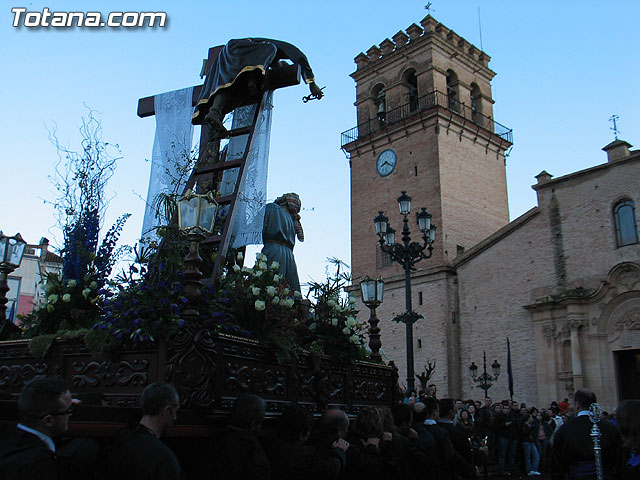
(281, 226)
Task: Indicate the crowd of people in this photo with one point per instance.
(420, 438)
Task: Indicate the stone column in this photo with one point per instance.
(576, 321)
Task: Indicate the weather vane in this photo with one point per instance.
(428, 8)
(613, 119)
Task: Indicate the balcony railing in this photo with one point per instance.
(426, 102)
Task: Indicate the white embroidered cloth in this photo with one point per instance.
(171, 147)
(252, 194)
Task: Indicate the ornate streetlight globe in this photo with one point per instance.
(11, 251)
(432, 234)
(404, 202)
(424, 221)
(473, 369)
(381, 223)
(495, 366)
(197, 213)
(372, 291)
(390, 236)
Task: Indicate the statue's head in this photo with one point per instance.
(290, 201)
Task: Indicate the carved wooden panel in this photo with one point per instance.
(209, 372)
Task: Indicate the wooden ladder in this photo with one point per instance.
(209, 172)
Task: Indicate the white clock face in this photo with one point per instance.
(386, 162)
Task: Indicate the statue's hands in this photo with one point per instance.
(315, 90)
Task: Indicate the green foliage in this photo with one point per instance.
(69, 305)
(338, 333)
(40, 345)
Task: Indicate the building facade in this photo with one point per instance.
(26, 282)
(557, 281)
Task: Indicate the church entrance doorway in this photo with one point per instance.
(628, 369)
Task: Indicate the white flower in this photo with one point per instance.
(334, 322)
(346, 330)
(49, 288)
(50, 308)
(355, 339)
(239, 256)
(236, 268)
(286, 302)
(312, 327)
(285, 291)
(353, 301)
(297, 294)
(275, 300)
(247, 269)
(261, 256)
(257, 273)
(72, 283)
(85, 292)
(262, 265)
(332, 303)
(53, 298)
(271, 290)
(93, 285)
(255, 291)
(260, 305)
(276, 278)
(274, 265)
(66, 298)
(351, 322)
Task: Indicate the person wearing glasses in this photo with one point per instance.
(28, 451)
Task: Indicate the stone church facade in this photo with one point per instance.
(555, 280)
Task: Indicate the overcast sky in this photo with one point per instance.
(563, 68)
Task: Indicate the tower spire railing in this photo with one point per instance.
(426, 102)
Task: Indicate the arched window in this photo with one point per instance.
(380, 101)
(476, 103)
(624, 217)
(452, 91)
(412, 84)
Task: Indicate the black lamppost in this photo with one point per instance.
(372, 293)
(485, 380)
(11, 252)
(407, 254)
(196, 217)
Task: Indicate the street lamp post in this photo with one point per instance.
(196, 217)
(372, 293)
(11, 252)
(485, 380)
(407, 254)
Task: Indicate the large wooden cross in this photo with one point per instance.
(210, 165)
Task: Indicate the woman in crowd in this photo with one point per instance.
(628, 417)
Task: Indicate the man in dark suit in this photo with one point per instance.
(27, 451)
(137, 452)
(452, 465)
(572, 453)
(236, 453)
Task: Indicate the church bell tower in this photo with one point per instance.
(425, 126)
